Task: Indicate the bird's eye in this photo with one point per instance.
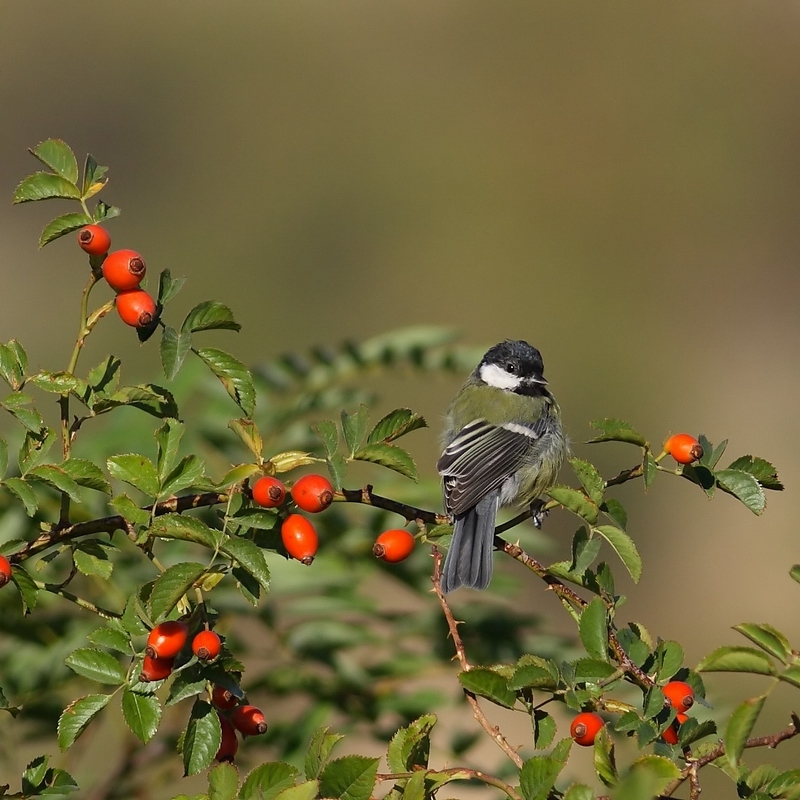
(511, 367)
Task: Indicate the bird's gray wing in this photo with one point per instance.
(478, 460)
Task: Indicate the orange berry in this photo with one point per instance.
(229, 744)
(167, 639)
(206, 645)
(299, 538)
(683, 448)
(393, 546)
(5, 570)
(124, 270)
(269, 492)
(223, 698)
(94, 240)
(312, 493)
(249, 720)
(679, 695)
(585, 727)
(136, 308)
(670, 734)
(155, 669)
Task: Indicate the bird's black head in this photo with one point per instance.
(515, 366)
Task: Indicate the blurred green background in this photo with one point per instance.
(616, 183)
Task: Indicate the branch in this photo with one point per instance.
(452, 625)
(367, 497)
(457, 773)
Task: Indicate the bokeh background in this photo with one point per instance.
(616, 183)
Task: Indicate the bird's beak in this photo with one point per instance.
(538, 379)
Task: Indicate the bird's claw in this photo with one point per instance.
(538, 512)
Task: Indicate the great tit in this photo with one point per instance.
(503, 444)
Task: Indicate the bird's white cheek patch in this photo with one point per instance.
(495, 376)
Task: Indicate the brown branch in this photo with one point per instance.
(625, 476)
(57, 535)
(458, 643)
(457, 773)
(411, 513)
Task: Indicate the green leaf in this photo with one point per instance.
(349, 778)
(737, 659)
(96, 665)
(57, 155)
(743, 486)
(702, 476)
(10, 369)
(202, 738)
(248, 432)
(604, 762)
(57, 478)
(624, 547)
(92, 173)
(576, 502)
(590, 479)
(307, 790)
(760, 469)
(649, 469)
(410, 747)
(395, 424)
(112, 637)
(319, 751)
(103, 211)
(35, 447)
(532, 676)
(16, 405)
(354, 428)
(189, 472)
(146, 397)
(388, 455)
(268, 780)
(77, 715)
(249, 557)
(187, 529)
(209, 315)
(584, 550)
(3, 457)
(591, 670)
(126, 508)
(594, 629)
(237, 475)
(91, 558)
(168, 439)
(63, 225)
(223, 782)
(87, 474)
(337, 469)
(168, 287)
(28, 591)
(24, 492)
(739, 728)
(187, 683)
(174, 348)
(791, 675)
(538, 776)
(329, 435)
(616, 430)
(489, 684)
(767, 638)
(579, 791)
(671, 658)
(794, 572)
(235, 377)
(783, 783)
(136, 470)
(616, 512)
(142, 713)
(45, 186)
(170, 586)
(648, 776)
(544, 729)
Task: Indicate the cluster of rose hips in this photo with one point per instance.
(123, 271)
(314, 493)
(679, 695)
(233, 716)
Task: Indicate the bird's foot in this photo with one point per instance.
(539, 512)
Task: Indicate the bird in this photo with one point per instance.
(503, 443)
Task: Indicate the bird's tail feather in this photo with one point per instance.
(469, 559)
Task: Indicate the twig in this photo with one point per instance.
(54, 588)
(458, 773)
(367, 497)
(458, 643)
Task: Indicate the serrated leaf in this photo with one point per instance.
(234, 376)
(248, 432)
(739, 727)
(249, 557)
(576, 502)
(604, 761)
(349, 778)
(202, 738)
(410, 747)
(291, 459)
(584, 550)
(209, 315)
(760, 469)
(96, 665)
(329, 435)
(649, 469)
(113, 638)
(187, 683)
(794, 572)
(173, 349)
(147, 397)
(136, 470)
(35, 447)
(354, 428)
(11, 370)
(126, 508)
(538, 776)
(579, 791)
(624, 548)
(189, 472)
(592, 670)
(616, 430)
(532, 676)
(783, 783)
(388, 455)
(223, 782)
(77, 715)
(17, 405)
(648, 776)
(103, 211)
(737, 659)
(767, 638)
(168, 438)
(24, 493)
(57, 155)
(319, 751)
(590, 479)
(489, 684)
(268, 780)
(395, 424)
(791, 675)
(307, 790)
(743, 486)
(57, 478)
(236, 475)
(593, 629)
(142, 714)
(168, 287)
(3, 457)
(45, 186)
(87, 474)
(92, 173)
(187, 529)
(91, 558)
(616, 512)
(61, 226)
(671, 657)
(544, 729)
(28, 591)
(336, 469)
(170, 586)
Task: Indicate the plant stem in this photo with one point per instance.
(53, 588)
